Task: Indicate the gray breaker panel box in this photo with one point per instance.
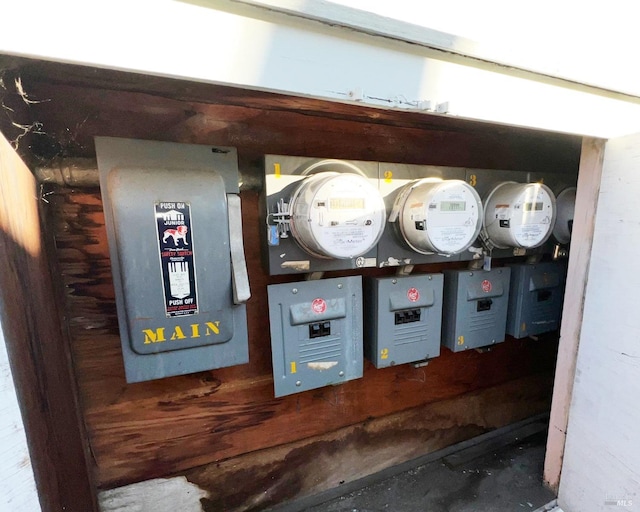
(536, 296)
(316, 333)
(475, 308)
(166, 212)
(403, 318)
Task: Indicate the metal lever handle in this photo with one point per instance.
(240, 276)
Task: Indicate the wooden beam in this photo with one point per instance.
(580, 254)
(38, 351)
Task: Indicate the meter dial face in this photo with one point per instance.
(337, 215)
(565, 205)
(519, 215)
(438, 216)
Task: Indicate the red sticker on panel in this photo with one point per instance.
(413, 294)
(486, 286)
(319, 306)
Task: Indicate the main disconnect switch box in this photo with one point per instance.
(404, 317)
(173, 221)
(316, 333)
(475, 308)
(537, 293)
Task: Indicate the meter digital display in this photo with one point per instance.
(533, 206)
(519, 215)
(438, 216)
(347, 203)
(452, 206)
(336, 215)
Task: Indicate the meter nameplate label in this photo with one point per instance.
(530, 235)
(503, 211)
(451, 238)
(175, 245)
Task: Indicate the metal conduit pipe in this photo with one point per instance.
(83, 173)
(71, 172)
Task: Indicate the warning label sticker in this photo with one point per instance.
(175, 243)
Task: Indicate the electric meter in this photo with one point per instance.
(519, 215)
(565, 205)
(336, 215)
(438, 216)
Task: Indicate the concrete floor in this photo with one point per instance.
(499, 474)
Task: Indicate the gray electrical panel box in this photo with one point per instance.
(536, 297)
(475, 308)
(404, 318)
(172, 213)
(316, 333)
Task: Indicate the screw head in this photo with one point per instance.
(341, 374)
(294, 291)
(339, 286)
(394, 281)
(298, 383)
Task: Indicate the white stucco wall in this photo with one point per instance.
(17, 486)
(601, 469)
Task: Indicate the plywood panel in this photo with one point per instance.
(157, 428)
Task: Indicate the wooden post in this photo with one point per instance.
(581, 240)
(38, 351)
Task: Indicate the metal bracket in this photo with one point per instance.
(280, 219)
(314, 276)
(486, 242)
(404, 270)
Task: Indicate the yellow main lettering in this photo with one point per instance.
(151, 336)
(214, 326)
(158, 335)
(177, 333)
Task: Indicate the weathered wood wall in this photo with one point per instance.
(223, 428)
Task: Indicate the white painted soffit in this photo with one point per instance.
(594, 44)
(232, 43)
